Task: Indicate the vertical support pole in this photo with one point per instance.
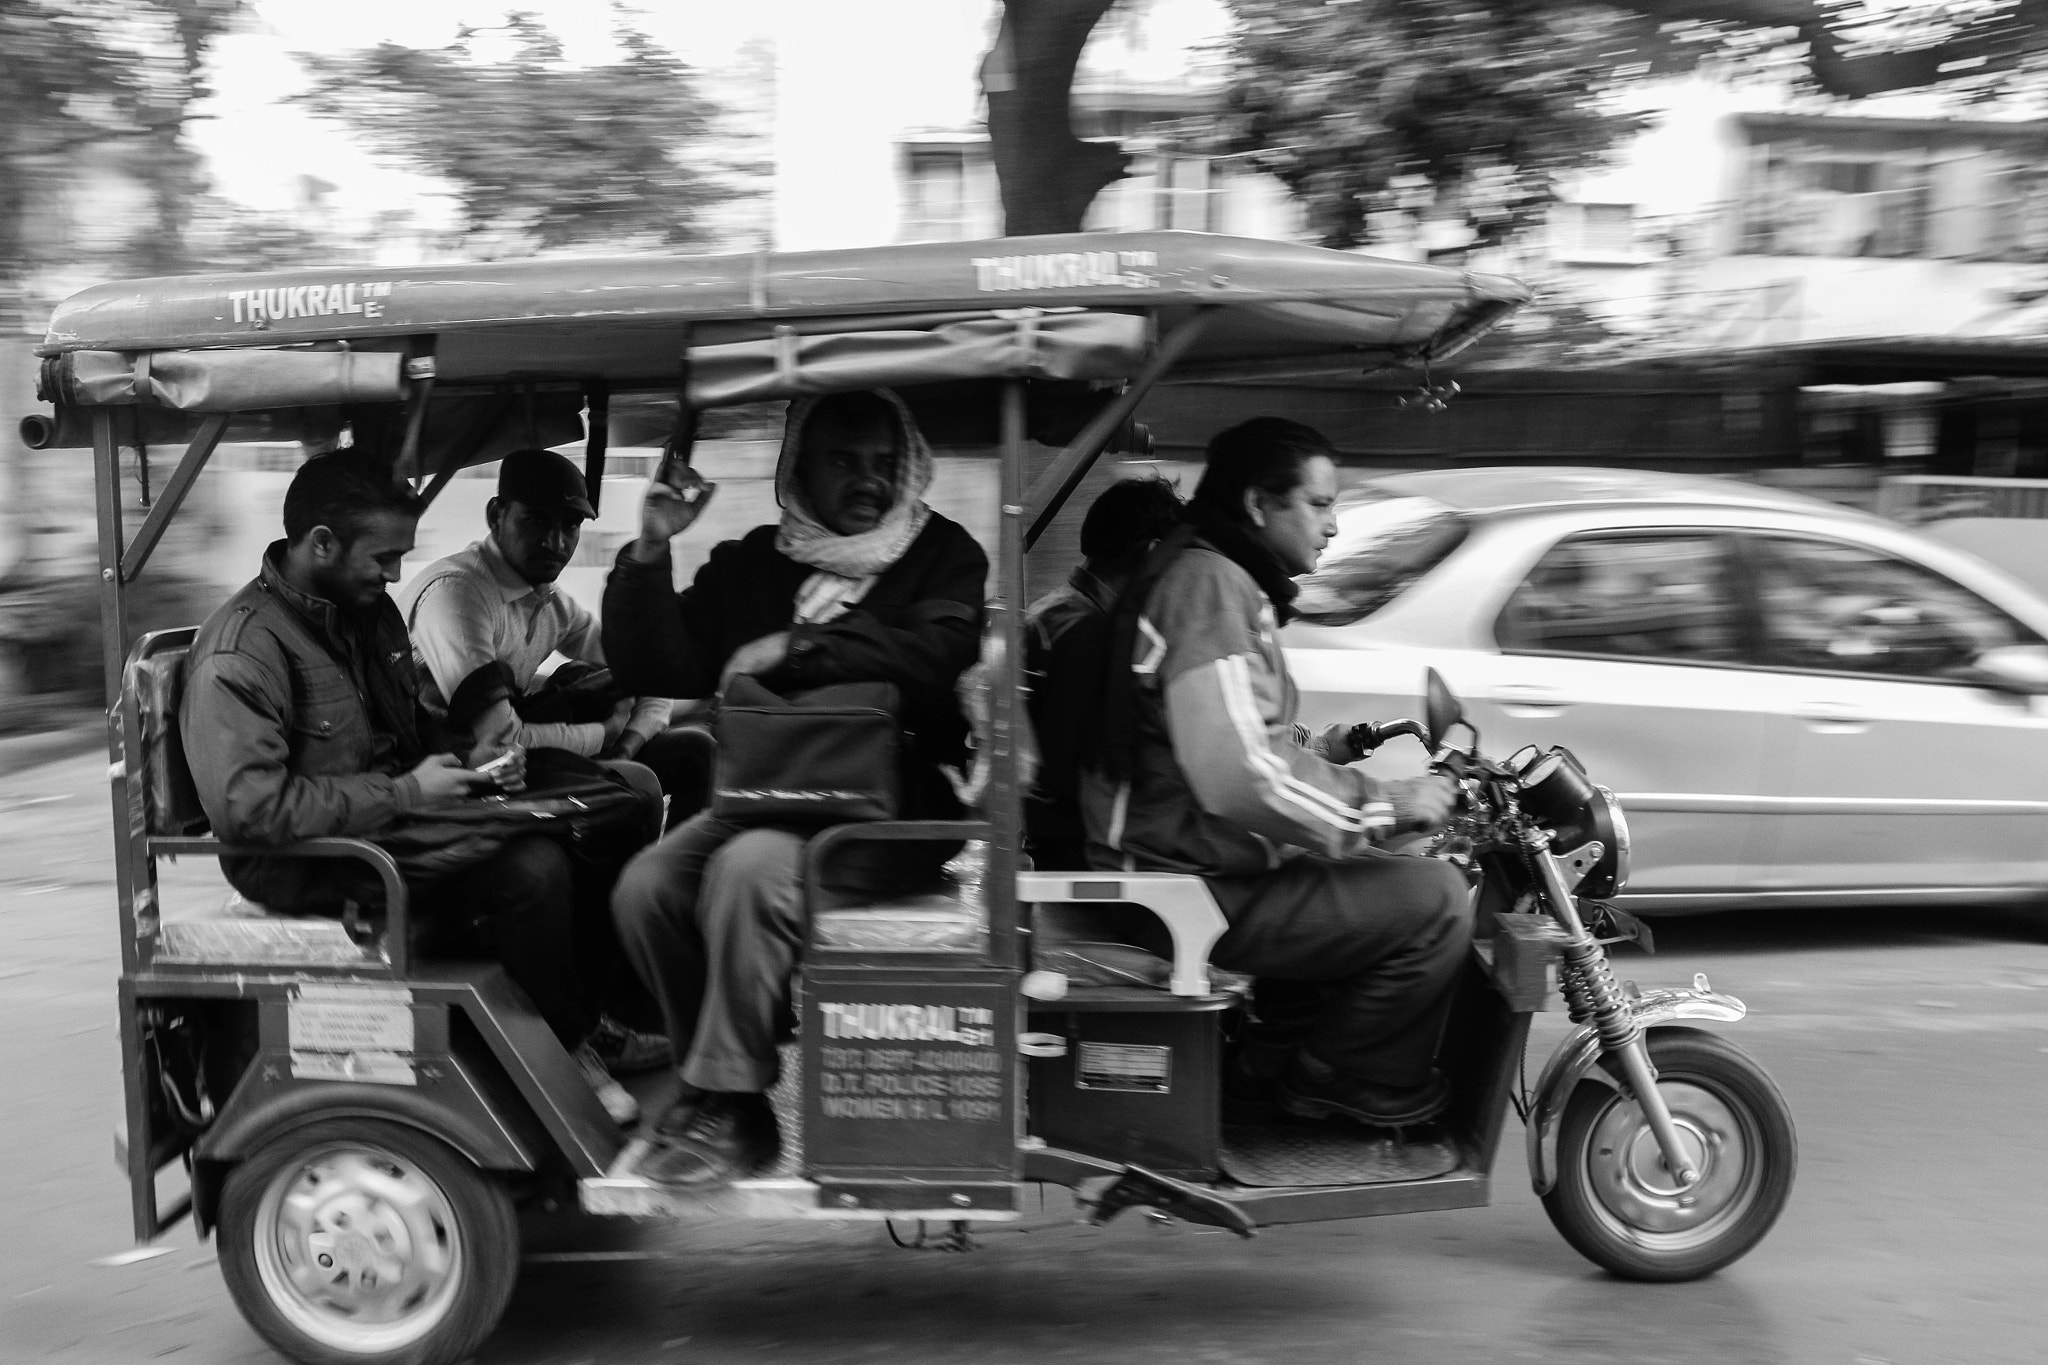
(419, 372)
(106, 455)
(1005, 800)
(597, 396)
(106, 465)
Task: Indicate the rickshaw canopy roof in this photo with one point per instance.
(766, 324)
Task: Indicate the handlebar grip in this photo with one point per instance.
(1370, 735)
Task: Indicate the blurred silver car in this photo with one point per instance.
(1797, 704)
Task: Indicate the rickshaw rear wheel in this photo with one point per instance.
(364, 1242)
(1618, 1204)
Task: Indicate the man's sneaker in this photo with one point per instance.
(625, 1051)
(720, 1138)
(621, 1106)
(1312, 1088)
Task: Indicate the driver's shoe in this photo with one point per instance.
(719, 1138)
(1312, 1088)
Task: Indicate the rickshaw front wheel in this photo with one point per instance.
(364, 1242)
(1618, 1203)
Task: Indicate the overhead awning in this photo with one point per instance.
(1021, 344)
(624, 319)
(222, 381)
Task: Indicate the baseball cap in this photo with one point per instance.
(544, 481)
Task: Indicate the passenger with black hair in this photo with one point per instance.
(1065, 634)
(1197, 766)
(302, 720)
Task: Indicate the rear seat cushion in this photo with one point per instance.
(949, 916)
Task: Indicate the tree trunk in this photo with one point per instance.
(1047, 175)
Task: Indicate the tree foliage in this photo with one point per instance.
(1473, 108)
(539, 154)
(119, 80)
(1387, 106)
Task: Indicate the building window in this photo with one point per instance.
(1943, 190)
(1596, 232)
(1187, 199)
(939, 202)
(1807, 199)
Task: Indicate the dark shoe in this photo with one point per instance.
(1314, 1089)
(720, 1138)
(625, 1051)
(673, 1118)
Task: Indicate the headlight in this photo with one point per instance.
(1576, 811)
(1615, 864)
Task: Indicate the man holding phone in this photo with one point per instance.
(304, 690)
(494, 606)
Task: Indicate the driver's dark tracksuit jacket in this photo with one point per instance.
(1222, 784)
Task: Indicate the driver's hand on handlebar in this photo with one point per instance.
(1339, 743)
(1422, 805)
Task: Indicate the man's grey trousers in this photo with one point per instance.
(712, 918)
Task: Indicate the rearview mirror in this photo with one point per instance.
(2012, 668)
(1441, 707)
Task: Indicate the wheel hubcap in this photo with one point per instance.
(1639, 1192)
(358, 1248)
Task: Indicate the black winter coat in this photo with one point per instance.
(918, 627)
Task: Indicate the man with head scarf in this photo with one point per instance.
(860, 581)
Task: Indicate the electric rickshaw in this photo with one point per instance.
(358, 1127)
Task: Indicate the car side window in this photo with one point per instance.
(1639, 595)
(1847, 609)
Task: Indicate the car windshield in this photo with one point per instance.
(1385, 542)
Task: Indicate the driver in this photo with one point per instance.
(1202, 769)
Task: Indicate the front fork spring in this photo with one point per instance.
(1592, 995)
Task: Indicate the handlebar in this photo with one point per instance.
(1369, 735)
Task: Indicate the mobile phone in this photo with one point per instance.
(497, 767)
(674, 460)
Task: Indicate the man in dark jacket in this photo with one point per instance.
(860, 581)
(1202, 769)
(301, 720)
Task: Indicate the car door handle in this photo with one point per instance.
(1834, 718)
(1530, 699)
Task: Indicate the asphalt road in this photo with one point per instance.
(1913, 1049)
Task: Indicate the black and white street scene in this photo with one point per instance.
(1024, 681)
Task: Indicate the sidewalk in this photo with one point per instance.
(60, 734)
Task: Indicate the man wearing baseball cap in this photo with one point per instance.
(495, 602)
(492, 610)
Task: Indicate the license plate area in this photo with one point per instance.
(909, 1074)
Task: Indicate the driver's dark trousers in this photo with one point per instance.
(1355, 960)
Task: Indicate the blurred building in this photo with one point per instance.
(891, 148)
(1804, 227)
(1819, 299)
